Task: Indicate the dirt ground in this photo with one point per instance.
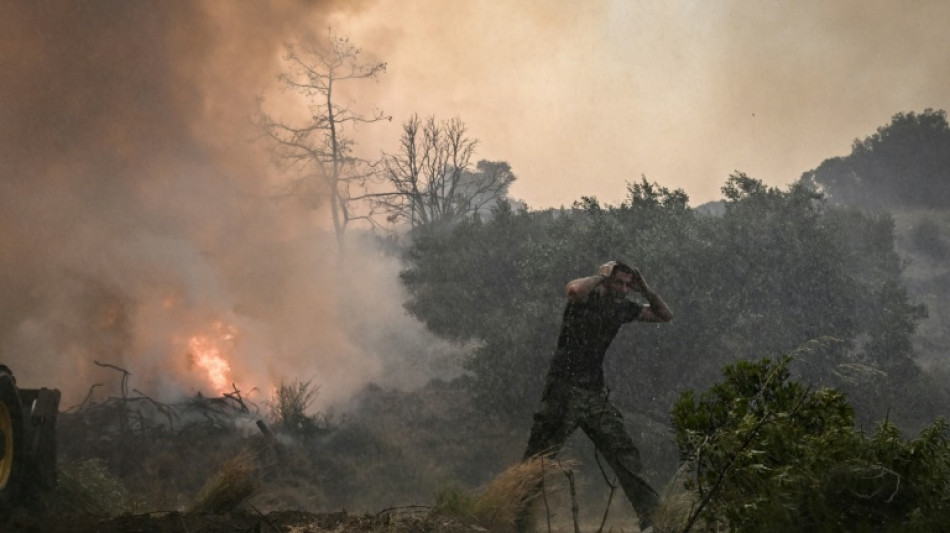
(394, 521)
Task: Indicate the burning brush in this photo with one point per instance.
(209, 352)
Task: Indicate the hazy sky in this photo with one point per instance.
(134, 203)
(581, 97)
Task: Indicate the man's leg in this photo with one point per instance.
(553, 424)
(604, 426)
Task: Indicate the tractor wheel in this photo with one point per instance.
(11, 440)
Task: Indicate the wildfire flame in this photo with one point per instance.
(208, 352)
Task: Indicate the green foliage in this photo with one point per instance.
(769, 454)
(452, 500)
(490, 282)
(776, 269)
(905, 163)
(925, 238)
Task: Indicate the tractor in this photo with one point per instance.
(27, 440)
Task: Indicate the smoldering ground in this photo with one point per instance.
(136, 208)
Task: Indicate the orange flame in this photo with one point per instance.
(208, 353)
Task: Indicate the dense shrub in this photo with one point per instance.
(770, 454)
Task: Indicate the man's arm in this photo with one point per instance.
(579, 289)
(657, 310)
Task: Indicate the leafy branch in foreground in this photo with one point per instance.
(767, 454)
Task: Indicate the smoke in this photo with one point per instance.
(134, 210)
(132, 201)
(582, 97)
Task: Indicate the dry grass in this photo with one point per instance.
(229, 486)
(513, 491)
(675, 504)
(290, 405)
(87, 487)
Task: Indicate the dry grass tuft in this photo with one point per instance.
(675, 504)
(229, 486)
(87, 487)
(514, 490)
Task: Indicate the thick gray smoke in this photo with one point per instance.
(135, 227)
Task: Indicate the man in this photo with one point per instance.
(575, 394)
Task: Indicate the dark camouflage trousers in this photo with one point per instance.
(564, 409)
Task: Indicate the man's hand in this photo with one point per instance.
(579, 289)
(639, 284)
(606, 269)
(657, 310)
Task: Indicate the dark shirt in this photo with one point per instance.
(587, 330)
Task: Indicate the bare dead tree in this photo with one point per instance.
(431, 178)
(318, 149)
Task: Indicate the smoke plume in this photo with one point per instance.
(135, 224)
(582, 97)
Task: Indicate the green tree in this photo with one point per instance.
(905, 163)
(486, 282)
(775, 270)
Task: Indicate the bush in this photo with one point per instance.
(767, 454)
(290, 405)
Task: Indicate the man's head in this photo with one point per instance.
(620, 280)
